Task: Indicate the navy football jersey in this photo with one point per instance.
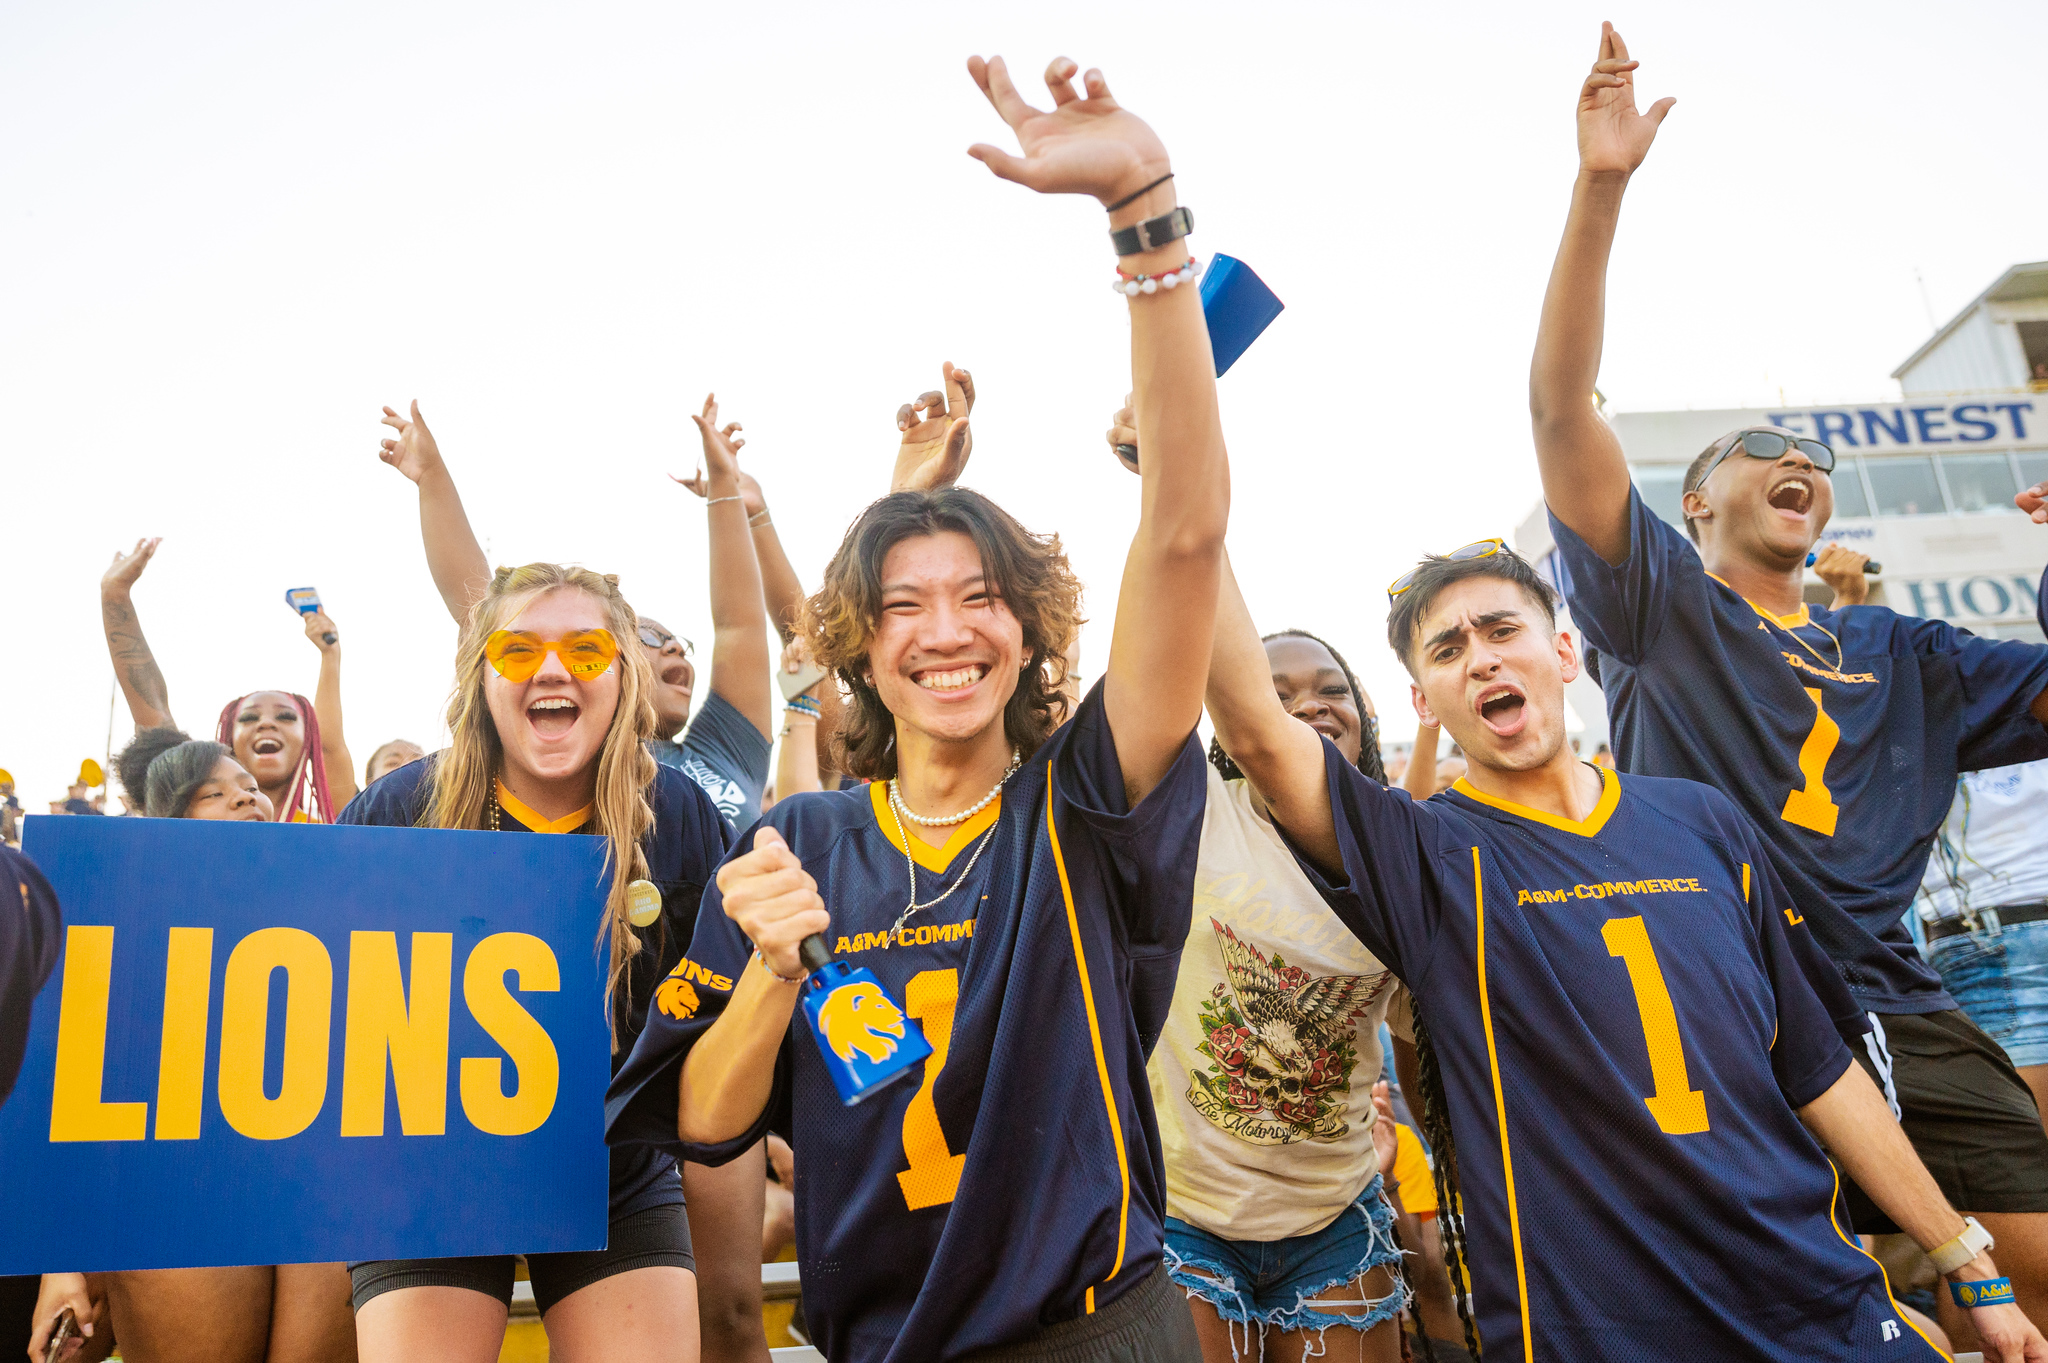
(1845, 760)
(683, 849)
(1626, 1012)
(1013, 1179)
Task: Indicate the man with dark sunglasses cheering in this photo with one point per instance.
(1839, 733)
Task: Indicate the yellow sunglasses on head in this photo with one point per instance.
(517, 654)
(1476, 549)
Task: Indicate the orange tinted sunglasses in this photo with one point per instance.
(518, 654)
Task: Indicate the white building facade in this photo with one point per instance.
(1924, 485)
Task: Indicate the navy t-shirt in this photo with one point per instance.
(31, 929)
(1014, 1179)
(724, 753)
(683, 850)
(1845, 762)
(1626, 1012)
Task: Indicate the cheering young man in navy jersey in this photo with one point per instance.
(1022, 890)
(1627, 1009)
(1839, 733)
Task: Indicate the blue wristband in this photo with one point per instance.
(1983, 1292)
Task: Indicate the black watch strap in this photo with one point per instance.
(1153, 232)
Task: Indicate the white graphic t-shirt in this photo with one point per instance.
(1263, 1077)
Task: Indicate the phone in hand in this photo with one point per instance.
(1237, 306)
(794, 684)
(62, 1333)
(306, 601)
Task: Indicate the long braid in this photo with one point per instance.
(1408, 1290)
(1369, 760)
(1436, 1127)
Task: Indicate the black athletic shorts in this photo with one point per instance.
(1966, 1110)
(1148, 1324)
(656, 1237)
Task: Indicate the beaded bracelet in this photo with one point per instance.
(1131, 285)
(760, 518)
(806, 707)
(716, 500)
(774, 974)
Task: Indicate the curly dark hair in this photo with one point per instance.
(1369, 760)
(1029, 572)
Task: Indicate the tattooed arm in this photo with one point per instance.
(142, 682)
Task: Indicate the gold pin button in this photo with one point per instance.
(643, 903)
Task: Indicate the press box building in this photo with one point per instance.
(1924, 485)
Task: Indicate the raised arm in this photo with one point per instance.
(341, 768)
(1585, 479)
(739, 617)
(142, 681)
(1420, 778)
(1166, 608)
(461, 573)
(1279, 755)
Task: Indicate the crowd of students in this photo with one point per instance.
(1246, 1051)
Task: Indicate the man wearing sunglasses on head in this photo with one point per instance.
(1839, 733)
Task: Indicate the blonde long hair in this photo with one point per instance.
(465, 776)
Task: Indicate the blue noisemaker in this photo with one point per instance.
(867, 1041)
(1237, 305)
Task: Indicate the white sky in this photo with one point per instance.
(233, 231)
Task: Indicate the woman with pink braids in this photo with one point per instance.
(288, 743)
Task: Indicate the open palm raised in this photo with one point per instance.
(1079, 146)
(1612, 135)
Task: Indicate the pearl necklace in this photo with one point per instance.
(903, 810)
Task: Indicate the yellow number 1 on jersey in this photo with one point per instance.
(1680, 1109)
(934, 1173)
(1813, 807)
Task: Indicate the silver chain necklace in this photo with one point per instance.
(897, 811)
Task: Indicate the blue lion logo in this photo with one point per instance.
(859, 1017)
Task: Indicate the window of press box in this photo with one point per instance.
(1660, 486)
(1905, 486)
(1979, 482)
(2033, 465)
(1848, 485)
(2034, 340)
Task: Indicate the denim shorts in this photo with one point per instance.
(1271, 1283)
(2002, 983)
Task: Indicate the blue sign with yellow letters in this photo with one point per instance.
(271, 1044)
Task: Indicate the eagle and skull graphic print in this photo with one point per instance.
(1266, 1067)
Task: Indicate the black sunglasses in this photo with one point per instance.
(1768, 445)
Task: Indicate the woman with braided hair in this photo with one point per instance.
(549, 721)
(1276, 1225)
(291, 745)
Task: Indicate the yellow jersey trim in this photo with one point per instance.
(1884, 1276)
(1507, 1159)
(1116, 1128)
(526, 815)
(1802, 616)
(1610, 797)
(923, 853)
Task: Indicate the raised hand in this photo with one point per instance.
(1079, 146)
(937, 444)
(1613, 137)
(120, 578)
(1123, 434)
(321, 631)
(721, 453)
(2034, 501)
(413, 453)
(1842, 569)
(774, 901)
